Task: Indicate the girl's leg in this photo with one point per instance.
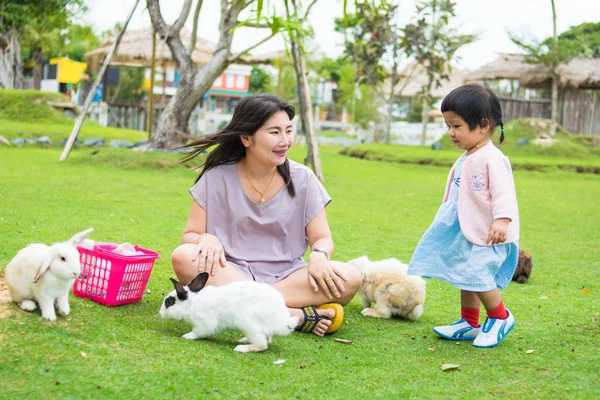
(466, 328)
(469, 307)
(298, 293)
(493, 304)
(186, 269)
(499, 321)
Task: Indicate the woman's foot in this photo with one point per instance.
(321, 326)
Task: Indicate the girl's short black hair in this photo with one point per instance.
(475, 103)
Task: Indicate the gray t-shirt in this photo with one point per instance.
(266, 240)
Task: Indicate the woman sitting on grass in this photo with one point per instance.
(255, 212)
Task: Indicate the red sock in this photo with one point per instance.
(498, 312)
(471, 315)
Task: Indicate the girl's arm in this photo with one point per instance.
(502, 188)
(503, 197)
(320, 272)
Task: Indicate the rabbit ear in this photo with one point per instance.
(198, 282)
(181, 293)
(78, 238)
(45, 265)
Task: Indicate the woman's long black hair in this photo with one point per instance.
(475, 103)
(249, 115)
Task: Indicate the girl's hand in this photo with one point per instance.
(498, 231)
(322, 275)
(210, 253)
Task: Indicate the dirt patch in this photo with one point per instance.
(5, 300)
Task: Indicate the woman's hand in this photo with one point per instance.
(322, 275)
(498, 231)
(210, 253)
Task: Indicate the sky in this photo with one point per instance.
(490, 20)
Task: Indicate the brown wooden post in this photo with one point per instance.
(151, 93)
(90, 96)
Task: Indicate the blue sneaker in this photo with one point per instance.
(494, 331)
(459, 330)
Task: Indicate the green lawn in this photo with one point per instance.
(28, 114)
(380, 209)
(578, 153)
(58, 131)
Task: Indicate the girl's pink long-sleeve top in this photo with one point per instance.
(486, 193)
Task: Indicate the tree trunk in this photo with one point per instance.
(424, 121)
(304, 97)
(90, 96)
(11, 73)
(554, 112)
(193, 84)
(38, 58)
(306, 114)
(555, 76)
(174, 118)
(390, 105)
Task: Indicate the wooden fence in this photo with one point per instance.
(131, 117)
(579, 110)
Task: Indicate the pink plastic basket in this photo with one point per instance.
(113, 279)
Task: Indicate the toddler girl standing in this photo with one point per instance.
(473, 241)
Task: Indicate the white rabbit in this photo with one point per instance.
(394, 292)
(257, 309)
(44, 275)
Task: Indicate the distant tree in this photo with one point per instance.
(297, 30)
(130, 88)
(329, 68)
(368, 33)
(260, 81)
(72, 42)
(433, 44)
(19, 16)
(360, 100)
(582, 40)
(370, 36)
(548, 53)
(285, 84)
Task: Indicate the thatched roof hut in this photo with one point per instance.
(266, 58)
(580, 72)
(415, 76)
(135, 49)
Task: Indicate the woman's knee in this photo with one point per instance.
(353, 281)
(181, 259)
(354, 278)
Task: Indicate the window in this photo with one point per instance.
(170, 74)
(218, 82)
(240, 82)
(230, 80)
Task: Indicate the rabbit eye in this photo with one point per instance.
(169, 301)
(63, 259)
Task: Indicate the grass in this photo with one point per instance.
(571, 152)
(27, 114)
(380, 209)
(338, 134)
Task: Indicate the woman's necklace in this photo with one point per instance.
(478, 145)
(262, 194)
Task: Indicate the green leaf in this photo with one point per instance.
(450, 367)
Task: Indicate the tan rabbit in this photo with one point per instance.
(394, 292)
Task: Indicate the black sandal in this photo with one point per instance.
(312, 318)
